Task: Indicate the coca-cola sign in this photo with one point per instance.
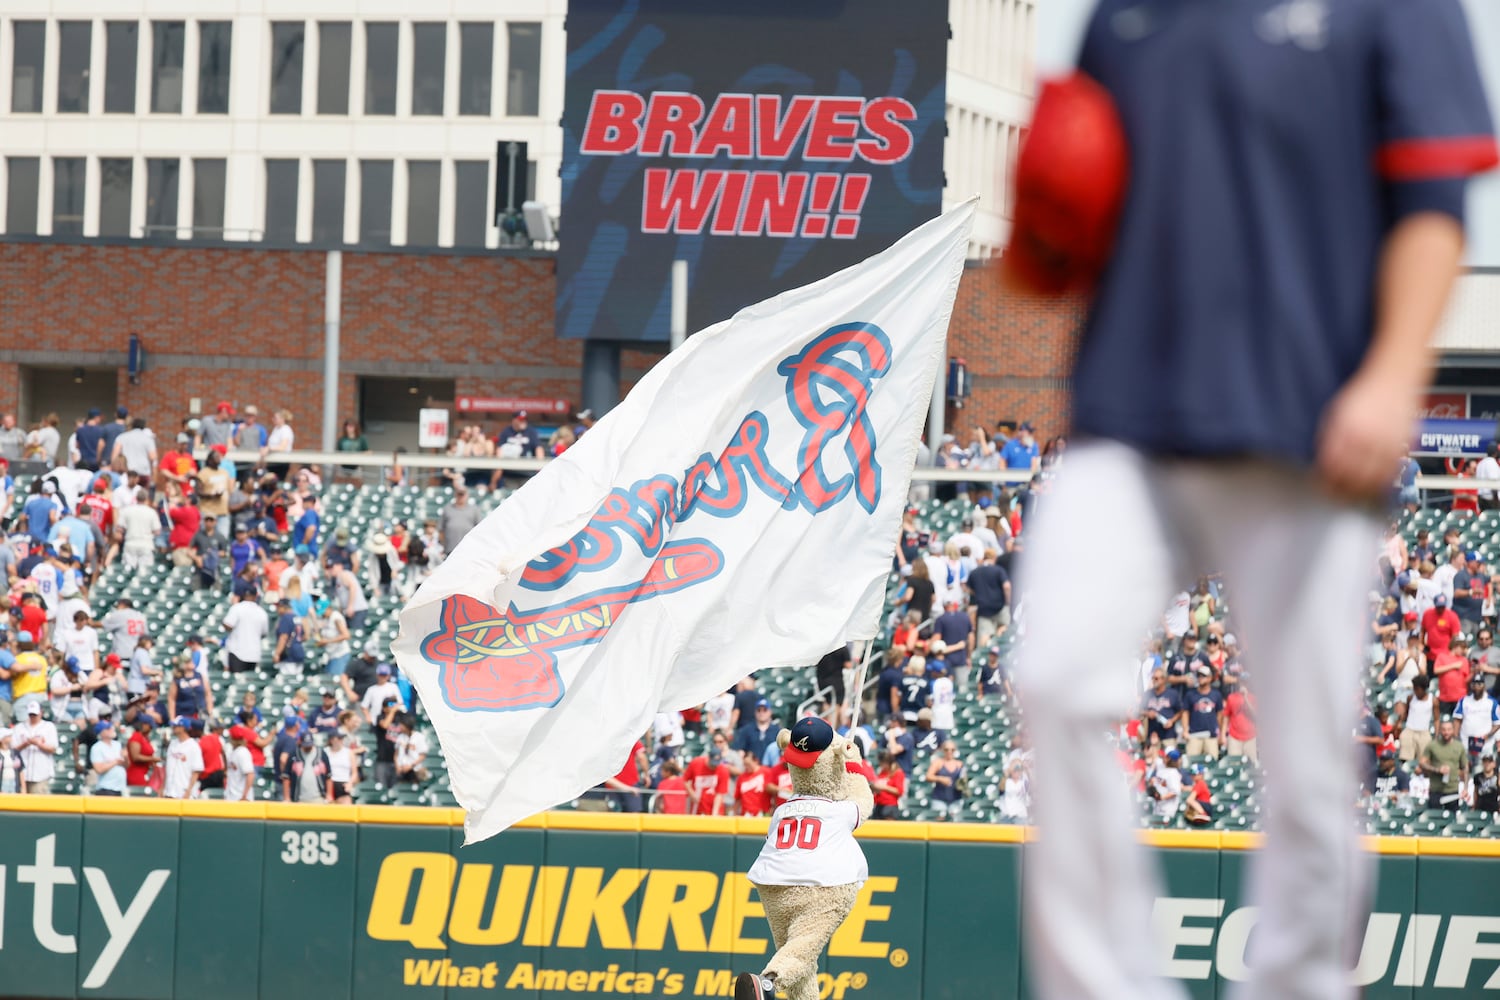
(1445, 406)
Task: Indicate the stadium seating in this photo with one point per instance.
(985, 726)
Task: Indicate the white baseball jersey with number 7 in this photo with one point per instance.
(811, 842)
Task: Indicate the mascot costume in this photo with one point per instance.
(810, 868)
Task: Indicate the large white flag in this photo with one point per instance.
(738, 510)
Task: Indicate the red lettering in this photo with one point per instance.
(803, 833)
(882, 118)
(678, 201)
(613, 126)
(834, 126)
(776, 135)
(731, 199)
(730, 127)
(671, 116)
(773, 203)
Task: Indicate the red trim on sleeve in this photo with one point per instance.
(1437, 159)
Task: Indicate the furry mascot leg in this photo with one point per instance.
(803, 919)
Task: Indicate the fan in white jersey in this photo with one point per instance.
(810, 867)
(184, 762)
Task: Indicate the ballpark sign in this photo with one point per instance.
(765, 144)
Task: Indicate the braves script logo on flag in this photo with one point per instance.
(500, 661)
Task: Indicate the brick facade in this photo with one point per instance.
(247, 325)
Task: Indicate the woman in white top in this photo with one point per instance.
(343, 768)
(1418, 731)
(281, 438)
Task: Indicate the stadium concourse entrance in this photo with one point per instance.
(69, 391)
(389, 408)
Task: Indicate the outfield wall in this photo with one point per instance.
(153, 899)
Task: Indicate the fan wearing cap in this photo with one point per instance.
(239, 766)
(1469, 587)
(384, 687)
(184, 764)
(810, 868)
(1164, 785)
(1205, 715)
(1439, 626)
(35, 740)
(218, 427)
(1479, 720)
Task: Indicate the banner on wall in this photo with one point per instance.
(767, 144)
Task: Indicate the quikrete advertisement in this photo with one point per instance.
(812, 140)
(427, 901)
(134, 901)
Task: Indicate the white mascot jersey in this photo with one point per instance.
(811, 842)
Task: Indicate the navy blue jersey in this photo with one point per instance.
(1273, 145)
(1166, 706)
(914, 691)
(1203, 711)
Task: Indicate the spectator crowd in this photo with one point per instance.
(256, 533)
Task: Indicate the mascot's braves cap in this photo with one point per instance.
(810, 737)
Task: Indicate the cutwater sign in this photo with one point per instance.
(133, 899)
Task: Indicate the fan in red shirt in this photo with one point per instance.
(98, 508)
(33, 616)
(211, 745)
(141, 753)
(624, 787)
(1439, 626)
(889, 785)
(1453, 672)
(1239, 716)
(707, 779)
(671, 790)
(753, 788)
(185, 520)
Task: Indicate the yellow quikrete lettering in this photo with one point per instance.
(546, 901)
(736, 905)
(600, 905)
(849, 940)
(714, 983)
(466, 924)
(552, 979)
(661, 905)
(393, 888)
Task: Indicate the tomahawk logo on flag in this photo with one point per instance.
(738, 510)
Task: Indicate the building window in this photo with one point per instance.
(161, 198)
(471, 202)
(68, 178)
(429, 51)
(74, 42)
(333, 67)
(22, 176)
(476, 56)
(214, 42)
(121, 42)
(208, 199)
(523, 80)
(281, 200)
(286, 67)
(114, 196)
(28, 65)
(328, 201)
(166, 66)
(375, 202)
(423, 182)
(382, 42)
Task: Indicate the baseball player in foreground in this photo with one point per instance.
(1282, 250)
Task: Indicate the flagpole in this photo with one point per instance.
(856, 695)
